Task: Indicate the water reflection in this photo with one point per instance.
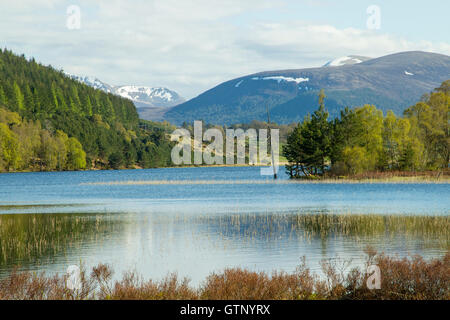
(196, 245)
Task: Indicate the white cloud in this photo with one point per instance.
(188, 46)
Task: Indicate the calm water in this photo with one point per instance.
(159, 221)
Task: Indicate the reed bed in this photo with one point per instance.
(28, 238)
(31, 237)
(392, 180)
(411, 278)
(431, 231)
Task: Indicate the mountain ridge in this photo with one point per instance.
(142, 96)
(392, 82)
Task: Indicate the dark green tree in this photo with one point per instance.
(308, 148)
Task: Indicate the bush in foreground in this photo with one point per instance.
(410, 278)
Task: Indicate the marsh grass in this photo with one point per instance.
(29, 237)
(370, 224)
(433, 231)
(411, 278)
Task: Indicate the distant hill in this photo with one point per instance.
(392, 82)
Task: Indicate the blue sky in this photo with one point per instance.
(191, 46)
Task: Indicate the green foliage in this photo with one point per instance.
(363, 140)
(429, 120)
(76, 157)
(354, 160)
(309, 146)
(397, 143)
(358, 128)
(3, 100)
(24, 145)
(115, 160)
(9, 153)
(293, 152)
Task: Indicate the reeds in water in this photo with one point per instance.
(30, 237)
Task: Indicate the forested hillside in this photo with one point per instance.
(45, 115)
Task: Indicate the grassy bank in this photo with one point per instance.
(401, 279)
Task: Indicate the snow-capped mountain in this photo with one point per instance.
(154, 97)
(143, 97)
(93, 82)
(347, 60)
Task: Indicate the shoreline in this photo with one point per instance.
(368, 178)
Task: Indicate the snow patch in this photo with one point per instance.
(238, 84)
(92, 82)
(347, 60)
(282, 78)
(339, 61)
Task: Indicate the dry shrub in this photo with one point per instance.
(131, 287)
(401, 279)
(413, 279)
(33, 286)
(239, 284)
(236, 284)
(102, 274)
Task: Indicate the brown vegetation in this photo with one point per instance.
(410, 278)
(426, 175)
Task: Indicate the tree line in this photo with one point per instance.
(363, 139)
(50, 107)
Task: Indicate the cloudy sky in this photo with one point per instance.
(192, 45)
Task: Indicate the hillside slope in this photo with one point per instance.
(391, 82)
